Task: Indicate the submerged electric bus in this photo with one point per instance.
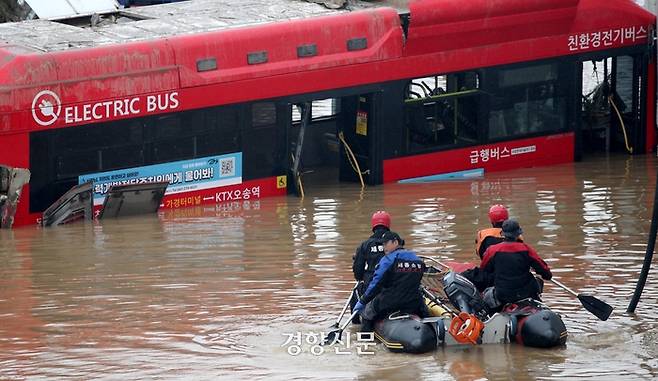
(237, 101)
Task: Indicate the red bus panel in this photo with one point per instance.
(545, 150)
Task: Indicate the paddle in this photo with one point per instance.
(335, 335)
(347, 303)
(599, 308)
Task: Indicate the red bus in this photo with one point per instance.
(240, 103)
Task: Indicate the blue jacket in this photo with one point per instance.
(396, 281)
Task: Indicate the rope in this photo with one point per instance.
(621, 121)
(352, 159)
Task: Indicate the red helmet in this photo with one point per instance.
(498, 214)
(380, 217)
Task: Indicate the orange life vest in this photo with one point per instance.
(484, 233)
(490, 232)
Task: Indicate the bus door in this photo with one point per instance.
(312, 143)
(304, 112)
(356, 134)
(615, 104)
(628, 99)
(330, 140)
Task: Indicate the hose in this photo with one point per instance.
(621, 121)
(352, 159)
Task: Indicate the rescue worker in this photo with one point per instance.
(493, 235)
(368, 254)
(395, 285)
(509, 264)
(483, 239)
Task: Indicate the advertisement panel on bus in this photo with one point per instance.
(183, 176)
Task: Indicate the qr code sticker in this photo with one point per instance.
(227, 167)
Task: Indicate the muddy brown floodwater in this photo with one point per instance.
(214, 293)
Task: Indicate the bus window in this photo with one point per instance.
(124, 156)
(172, 149)
(263, 115)
(442, 111)
(527, 100)
(195, 133)
(321, 108)
(71, 164)
(170, 141)
(67, 153)
(74, 151)
(261, 145)
(96, 147)
(222, 133)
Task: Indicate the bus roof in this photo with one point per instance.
(228, 46)
(158, 21)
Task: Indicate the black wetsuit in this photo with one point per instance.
(366, 258)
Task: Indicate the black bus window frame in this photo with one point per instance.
(528, 100)
(442, 111)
